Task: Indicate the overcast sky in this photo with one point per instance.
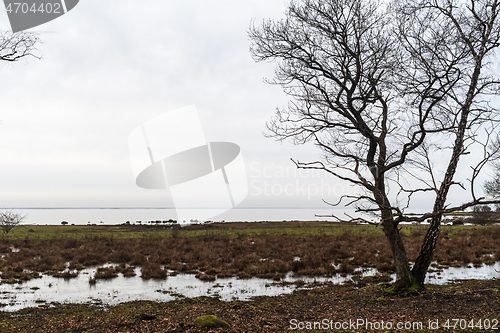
(108, 66)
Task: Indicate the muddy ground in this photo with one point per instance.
(471, 300)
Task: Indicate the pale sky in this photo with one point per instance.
(107, 67)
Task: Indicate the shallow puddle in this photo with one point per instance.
(49, 289)
(462, 273)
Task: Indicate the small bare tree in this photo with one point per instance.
(10, 219)
(378, 87)
(18, 45)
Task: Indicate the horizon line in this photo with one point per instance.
(3, 208)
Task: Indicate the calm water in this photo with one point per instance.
(121, 215)
(122, 289)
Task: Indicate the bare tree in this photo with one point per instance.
(376, 88)
(492, 187)
(16, 46)
(10, 219)
(475, 28)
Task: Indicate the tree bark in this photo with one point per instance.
(401, 263)
(426, 254)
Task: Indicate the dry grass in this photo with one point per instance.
(105, 273)
(219, 253)
(153, 271)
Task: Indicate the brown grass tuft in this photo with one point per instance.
(153, 271)
(105, 273)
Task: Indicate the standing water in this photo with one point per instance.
(48, 289)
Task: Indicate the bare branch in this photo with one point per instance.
(381, 90)
(19, 45)
(10, 219)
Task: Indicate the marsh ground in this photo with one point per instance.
(266, 250)
(247, 249)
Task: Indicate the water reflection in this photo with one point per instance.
(122, 289)
(484, 272)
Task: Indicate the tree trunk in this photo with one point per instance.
(426, 254)
(403, 273)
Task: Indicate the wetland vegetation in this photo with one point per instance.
(259, 249)
(241, 250)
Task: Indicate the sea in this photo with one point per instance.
(113, 216)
